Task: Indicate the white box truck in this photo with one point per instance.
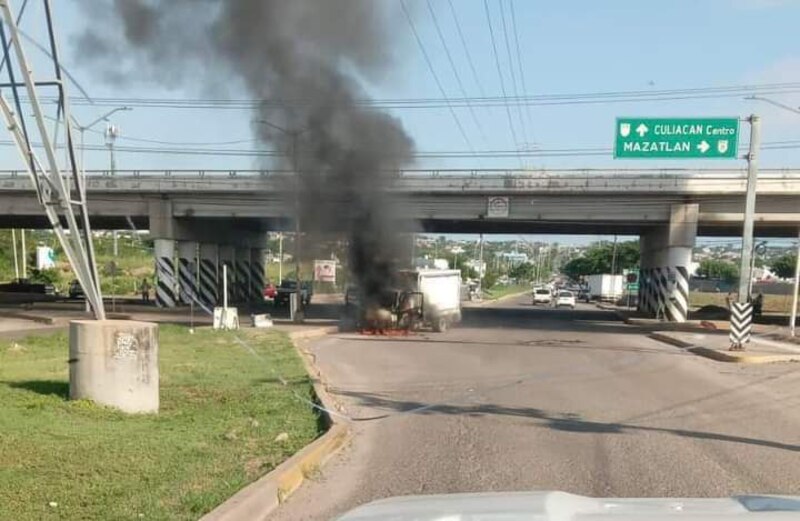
(441, 295)
(605, 287)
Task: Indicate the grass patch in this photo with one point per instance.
(221, 411)
(501, 291)
(772, 303)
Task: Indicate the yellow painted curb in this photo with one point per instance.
(724, 356)
(259, 499)
(311, 460)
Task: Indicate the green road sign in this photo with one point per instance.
(676, 138)
(633, 287)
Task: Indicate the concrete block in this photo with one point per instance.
(115, 363)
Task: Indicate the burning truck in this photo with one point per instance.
(420, 299)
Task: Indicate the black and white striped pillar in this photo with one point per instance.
(187, 272)
(166, 283)
(227, 258)
(243, 274)
(208, 275)
(257, 282)
(741, 325)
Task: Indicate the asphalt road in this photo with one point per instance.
(524, 398)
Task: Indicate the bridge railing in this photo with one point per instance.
(724, 173)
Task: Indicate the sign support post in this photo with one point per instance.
(745, 272)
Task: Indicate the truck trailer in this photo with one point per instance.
(607, 288)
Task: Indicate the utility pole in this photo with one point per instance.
(112, 132)
(24, 254)
(749, 209)
(480, 267)
(614, 257)
(793, 314)
(280, 258)
(14, 248)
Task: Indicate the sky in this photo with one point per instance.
(566, 47)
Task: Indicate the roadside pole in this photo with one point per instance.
(749, 209)
(14, 250)
(742, 311)
(480, 268)
(280, 258)
(24, 254)
(793, 314)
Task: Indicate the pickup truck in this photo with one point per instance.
(287, 287)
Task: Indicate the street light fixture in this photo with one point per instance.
(84, 128)
(793, 312)
(772, 102)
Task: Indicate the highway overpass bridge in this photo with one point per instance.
(223, 214)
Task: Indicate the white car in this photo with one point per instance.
(542, 296)
(565, 298)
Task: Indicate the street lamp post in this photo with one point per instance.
(83, 128)
(294, 135)
(793, 312)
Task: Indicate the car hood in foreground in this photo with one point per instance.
(560, 506)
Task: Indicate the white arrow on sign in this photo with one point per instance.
(642, 129)
(703, 147)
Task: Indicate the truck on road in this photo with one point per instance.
(441, 295)
(606, 287)
(421, 298)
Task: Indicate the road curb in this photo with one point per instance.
(41, 319)
(722, 356)
(498, 299)
(259, 499)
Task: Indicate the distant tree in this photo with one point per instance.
(718, 270)
(784, 265)
(524, 271)
(489, 279)
(578, 267)
(599, 258)
(467, 272)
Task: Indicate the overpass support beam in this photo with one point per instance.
(666, 253)
(227, 257)
(166, 282)
(256, 275)
(209, 275)
(187, 271)
(242, 290)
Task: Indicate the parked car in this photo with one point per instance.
(542, 296)
(26, 286)
(288, 287)
(75, 290)
(584, 295)
(270, 291)
(565, 298)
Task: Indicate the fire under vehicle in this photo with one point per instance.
(422, 298)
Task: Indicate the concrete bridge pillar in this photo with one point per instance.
(256, 275)
(208, 274)
(666, 253)
(166, 283)
(227, 257)
(242, 292)
(187, 271)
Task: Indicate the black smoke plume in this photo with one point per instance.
(304, 59)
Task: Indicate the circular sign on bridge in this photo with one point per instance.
(497, 207)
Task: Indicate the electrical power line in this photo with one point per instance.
(435, 76)
(453, 67)
(733, 91)
(500, 73)
(466, 49)
(521, 69)
(513, 74)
